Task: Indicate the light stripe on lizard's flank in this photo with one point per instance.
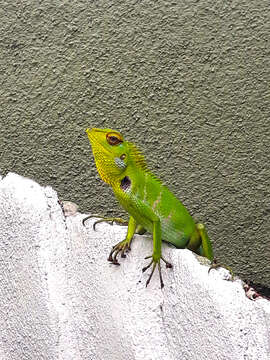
(157, 201)
(168, 218)
(144, 191)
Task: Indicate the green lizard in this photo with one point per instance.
(150, 204)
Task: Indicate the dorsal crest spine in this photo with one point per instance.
(136, 156)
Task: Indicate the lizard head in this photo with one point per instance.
(111, 153)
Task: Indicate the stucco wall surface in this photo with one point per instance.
(60, 298)
(187, 81)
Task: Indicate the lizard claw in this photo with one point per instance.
(121, 248)
(168, 265)
(154, 263)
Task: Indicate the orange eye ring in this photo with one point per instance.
(114, 139)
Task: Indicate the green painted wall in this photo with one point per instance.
(187, 81)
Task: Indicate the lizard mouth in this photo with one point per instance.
(90, 133)
(94, 141)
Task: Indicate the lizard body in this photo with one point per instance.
(150, 204)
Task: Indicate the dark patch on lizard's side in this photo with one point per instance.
(125, 183)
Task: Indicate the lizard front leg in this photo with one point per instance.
(109, 220)
(156, 256)
(124, 245)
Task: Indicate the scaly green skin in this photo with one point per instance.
(149, 203)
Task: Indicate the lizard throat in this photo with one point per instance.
(125, 183)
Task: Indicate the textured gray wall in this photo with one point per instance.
(188, 81)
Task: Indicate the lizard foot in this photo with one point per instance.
(122, 247)
(215, 265)
(109, 220)
(154, 262)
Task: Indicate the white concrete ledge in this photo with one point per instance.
(61, 299)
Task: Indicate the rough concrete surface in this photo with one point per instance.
(60, 298)
(188, 81)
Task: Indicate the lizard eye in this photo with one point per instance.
(123, 156)
(114, 138)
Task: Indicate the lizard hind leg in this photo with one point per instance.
(140, 230)
(206, 250)
(206, 245)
